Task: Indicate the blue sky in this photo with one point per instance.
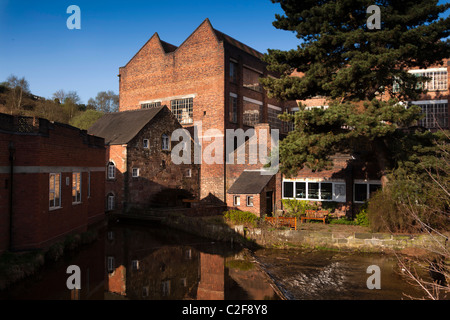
(36, 43)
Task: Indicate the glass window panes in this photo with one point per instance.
(151, 105)
(326, 191)
(251, 79)
(233, 110)
(288, 190)
(313, 190)
(300, 190)
(183, 110)
(252, 113)
(373, 188)
(360, 192)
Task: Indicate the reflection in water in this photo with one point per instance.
(158, 263)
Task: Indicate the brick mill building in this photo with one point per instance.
(52, 181)
(140, 171)
(210, 81)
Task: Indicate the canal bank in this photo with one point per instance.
(309, 235)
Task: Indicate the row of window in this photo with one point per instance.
(135, 172)
(183, 109)
(55, 189)
(327, 191)
(237, 201)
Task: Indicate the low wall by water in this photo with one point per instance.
(361, 241)
(265, 237)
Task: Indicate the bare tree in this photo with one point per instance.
(18, 87)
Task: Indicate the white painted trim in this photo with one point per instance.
(428, 70)
(253, 69)
(271, 106)
(428, 102)
(252, 101)
(186, 96)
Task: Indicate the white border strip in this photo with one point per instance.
(253, 101)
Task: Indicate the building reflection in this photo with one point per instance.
(144, 264)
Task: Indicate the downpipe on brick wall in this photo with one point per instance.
(12, 150)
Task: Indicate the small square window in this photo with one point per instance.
(135, 172)
(236, 201)
(249, 201)
(146, 144)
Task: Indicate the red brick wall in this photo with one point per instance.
(63, 149)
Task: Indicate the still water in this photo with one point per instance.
(138, 262)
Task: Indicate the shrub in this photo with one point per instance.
(241, 217)
(296, 208)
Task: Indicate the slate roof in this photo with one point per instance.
(121, 127)
(250, 182)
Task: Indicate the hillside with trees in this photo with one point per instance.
(64, 106)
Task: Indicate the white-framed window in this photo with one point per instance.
(54, 190)
(314, 190)
(233, 108)
(435, 113)
(135, 172)
(111, 170)
(236, 200)
(135, 265)
(363, 189)
(151, 105)
(76, 187)
(146, 143)
(188, 173)
(437, 78)
(183, 109)
(165, 288)
(273, 112)
(110, 203)
(165, 142)
(249, 201)
(110, 264)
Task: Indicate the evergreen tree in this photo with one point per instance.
(341, 58)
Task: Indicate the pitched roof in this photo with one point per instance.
(250, 182)
(121, 127)
(226, 38)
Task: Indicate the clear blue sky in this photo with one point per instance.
(35, 42)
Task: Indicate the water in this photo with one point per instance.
(150, 262)
(318, 275)
(139, 262)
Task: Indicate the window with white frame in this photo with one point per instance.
(165, 288)
(135, 265)
(146, 143)
(165, 142)
(435, 113)
(273, 112)
(249, 201)
(314, 190)
(188, 173)
(110, 202)
(54, 190)
(236, 200)
(76, 187)
(111, 170)
(363, 189)
(233, 108)
(135, 172)
(110, 264)
(437, 78)
(252, 111)
(183, 109)
(151, 105)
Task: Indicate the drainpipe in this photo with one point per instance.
(12, 150)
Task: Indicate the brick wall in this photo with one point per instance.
(57, 149)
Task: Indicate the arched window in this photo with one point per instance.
(165, 142)
(111, 170)
(111, 200)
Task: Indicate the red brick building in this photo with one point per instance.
(52, 181)
(210, 80)
(140, 172)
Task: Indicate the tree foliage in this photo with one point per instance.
(341, 59)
